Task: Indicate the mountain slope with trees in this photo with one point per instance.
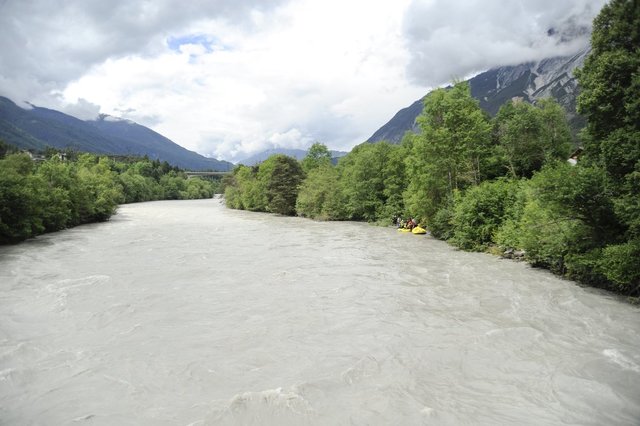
(39, 128)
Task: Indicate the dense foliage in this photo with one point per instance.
(54, 194)
(501, 184)
(271, 186)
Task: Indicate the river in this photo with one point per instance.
(187, 313)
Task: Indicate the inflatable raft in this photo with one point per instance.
(416, 230)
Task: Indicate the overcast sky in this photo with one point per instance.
(228, 78)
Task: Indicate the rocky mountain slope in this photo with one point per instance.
(553, 77)
(38, 128)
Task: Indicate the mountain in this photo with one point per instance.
(38, 128)
(298, 154)
(531, 81)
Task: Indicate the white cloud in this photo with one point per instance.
(228, 78)
(452, 39)
(47, 43)
(81, 109)
(311, 72)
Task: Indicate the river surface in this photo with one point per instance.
(187, 313)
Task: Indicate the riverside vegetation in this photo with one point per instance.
(46, 196)
(495, 184)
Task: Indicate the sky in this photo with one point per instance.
(230, 78)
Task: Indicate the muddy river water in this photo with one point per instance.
(187, 313)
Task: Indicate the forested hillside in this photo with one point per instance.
(39, 128)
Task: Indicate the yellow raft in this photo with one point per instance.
(416, 230)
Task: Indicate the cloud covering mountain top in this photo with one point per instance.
(452, 39)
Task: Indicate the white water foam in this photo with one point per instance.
(272, 406)
(618, 358)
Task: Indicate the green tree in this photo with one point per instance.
(451, 152)
(197, 188)
(480, 211)
(610, 88)
(5, 149)
(394, 182)
(317, 156)
(272, 186)
(246, 192)
(58, 180)
(368, 179)
(99, 184)
(610, 95)
(20, 208)
(285, 176)
(610, 100)
(232, 195)
(320, 195)
(530, 136)
(172, 186)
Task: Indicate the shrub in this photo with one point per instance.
(480, 211)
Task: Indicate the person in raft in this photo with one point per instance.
(411, 223)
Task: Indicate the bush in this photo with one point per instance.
(441, 224)
(621, 265)
(584, 267)
(548, 237)
(480, 211)
(320, 196)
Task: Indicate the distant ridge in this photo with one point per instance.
(552, 77)
(38, 128)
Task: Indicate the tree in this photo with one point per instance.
(19, 207)
(480, 211)
(542, 218)
(244, 191)
(284, 176)
(451, 152)
(610, 90)
(320, 196)
(58, 181)
(369, 178)
(609, 80)
(317, 156)
(610, 100)
(530, 136)
(5, 149)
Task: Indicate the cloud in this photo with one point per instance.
(453, 39)
(228, 78)
(45, 44)
(309, 72)
(81, 109)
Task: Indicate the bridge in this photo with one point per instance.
(191, 174)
